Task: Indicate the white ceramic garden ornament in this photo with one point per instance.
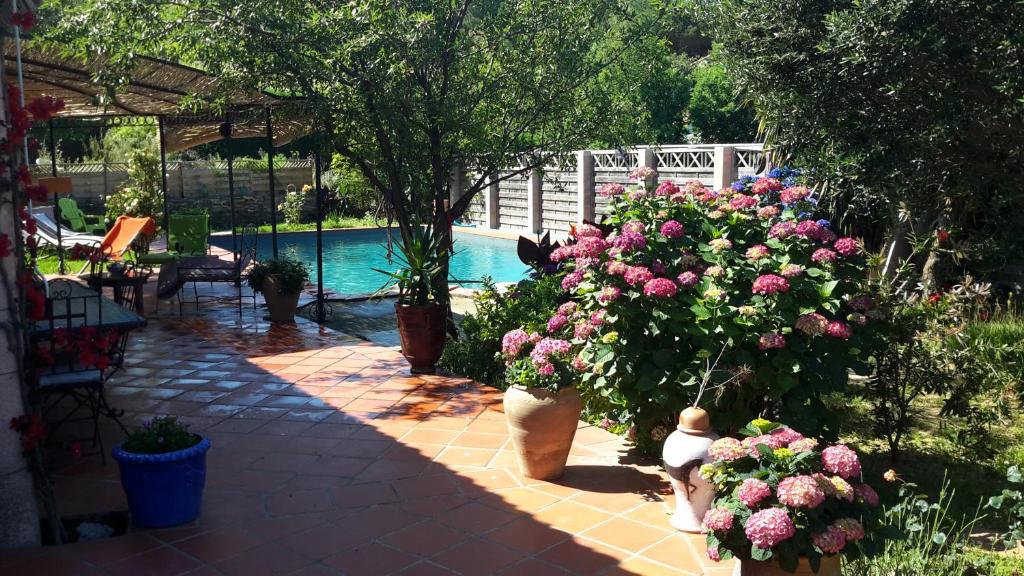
(684, 452)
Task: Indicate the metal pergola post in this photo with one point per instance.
(226, 133)
(56, 210)
(163, 179)
(270, 176)
(319, 310)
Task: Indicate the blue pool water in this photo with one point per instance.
(350, 257)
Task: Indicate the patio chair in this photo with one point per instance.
(174, 276)
(80, 221)
(187, 235)
(67, 381)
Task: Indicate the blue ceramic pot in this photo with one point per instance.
(164, 489)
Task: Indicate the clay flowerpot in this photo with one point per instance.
(830, 566)
(281, 306)
(422, 330)
(684, 452)
(542, 425)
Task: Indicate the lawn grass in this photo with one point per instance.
(333, 221)
(50, 265)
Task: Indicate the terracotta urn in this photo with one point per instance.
(684, 452)
(830, 566)
(280, 305)
(422, 333)
(542, 425)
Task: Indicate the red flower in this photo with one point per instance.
(35, 303)
(25, 20)
(5, 245)
(31, 429)
(934, 297)
(942, 235)
(44, 107)
(24, 174)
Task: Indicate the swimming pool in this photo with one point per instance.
(350, 257)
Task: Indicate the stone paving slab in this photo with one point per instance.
(329, 458)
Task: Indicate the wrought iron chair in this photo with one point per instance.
(73, 358)
(175, 276)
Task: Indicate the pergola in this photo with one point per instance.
(167, 91)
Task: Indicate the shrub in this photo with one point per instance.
(1010, 505)
(160, 435)
(292, 203)
(354, 195)
(141, 195)
(291, 274)
(743, 275)
(716, 114)
(477, 354)
(781, 496)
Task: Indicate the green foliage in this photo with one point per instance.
(142, 194)
(121, 143)
(716, 114)
(291, 275)
(477, 353)
(892, 107)
(161, 435)
(420, 278)
(1010, 505)
(291, 205)
(354, 193)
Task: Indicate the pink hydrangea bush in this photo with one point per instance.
(779, 497)
(533, 360)
(683, 272)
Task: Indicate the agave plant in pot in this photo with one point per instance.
(542, 405)
(422, 318)
(786, 505)
(163, 472)
(281, 281)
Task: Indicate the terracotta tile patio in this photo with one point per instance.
(329, 458)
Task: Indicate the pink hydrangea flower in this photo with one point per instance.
(742, 202)
(544, 349)
(827, 236)
(544, 368)
(768, 284)
(641, 173)
(841, 460)
(837, 329)
(861, 303)
(617, 268)
(846, 246)
(634, 227)
(562, 253)
(767, 528)
(588, 231)
(582, 330)
(794, 194)
(809, 229)
(772, 442)
(766, 185)
(752, 491)
(823, 255)
(811, 324)
(719, 244)
(726, 449)
(757, 251)
(660, 287)
(787, 434)
(851, 529)
(715, 271)
(512, 342)
(687, 279)
(866, 494)
(767, 212)
(800, 492)
(791, 270)
(637, 275)
(672, 229)
(612, 189)
(556, 323)
(771, 341)
(782, 230)
(630, 242)
(830, 542)
(714, 555)
(590, 247)
(572, 280)
(567, 308)
(805, 445)
(597, 318)
(638, 194)
(667, 188)
(609, 294)
(841, 489)
(579, 364)
(718, 519)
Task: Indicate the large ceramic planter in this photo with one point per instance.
(164, 489)
(830, 566)
(684, 452)
(542, 425)
(281, 306)
(422, 330)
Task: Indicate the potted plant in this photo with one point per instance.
(422, 319)
(784, 505)
(163, 471)
(542, 404)
(281, 281)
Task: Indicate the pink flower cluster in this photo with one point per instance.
(767, 528)
(590, 247)
(809, 229)
(718, 519)
(726, 449)
(800, 492)
(688, 279)
(629, 242)
(562, 253)
(757, 251)
(811, 324)
(642, 173)
(823, 255)
(660, 287)
(637, 275)
(752, 491)
(672, 229)
(766, 185)
(542, 352)
(572, 280)
(720, 244)
(782, 230)
(612, 189)
(846, 246)
(742, 202)
(791, 270)
(512, 342)
(609, 294)
(794, 194)
(667, 188)
(768, 284)
(866, 494)
(767, 212)
(841, 460)
(771, 341)
(836, 536)
(837, 329)
(556, 323)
